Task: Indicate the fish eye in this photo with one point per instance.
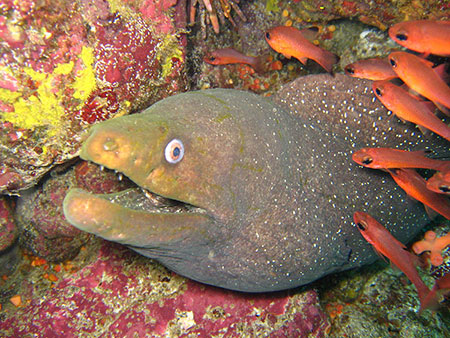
(362, 225)
(393, 63)
(212, 58)
(378, 92)
(367, 160)
(401, 37)
(174, 151)
(444, 188)
(267, 35)
(349, 69)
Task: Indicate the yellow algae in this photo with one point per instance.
(9, 96)
(272, 6)
(44, 107)
(124, 110)
(167, 51)
(85, 82)
(35, 76)
(63, 68)
(41, 109)
(118, 6)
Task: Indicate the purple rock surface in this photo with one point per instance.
(120, 294)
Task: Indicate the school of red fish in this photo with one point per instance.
(423, 90)
(412, 88)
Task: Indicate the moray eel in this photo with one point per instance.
(262, 191)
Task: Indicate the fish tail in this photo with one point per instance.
(426, 296)
(436, 125)
(429, 300)
(442, 108)
(327, 60)
(258, 64)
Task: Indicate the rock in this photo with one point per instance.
(118, 293)
(66, 65)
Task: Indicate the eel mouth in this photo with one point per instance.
(141, 199)
(122, 215)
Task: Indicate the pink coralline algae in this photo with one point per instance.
(8, 238)
(8, 229)
(156, 10)
(120, 294)
(65, 65)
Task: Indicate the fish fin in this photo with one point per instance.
(441, 71)
(412, 92)
(424, 55)
(327, 60)
(428, 63)
(393, 171)
(431, 301)
(400, 118)
(380, 255)
(430, 105)
(303, 60)
(394, 267)
(430, 212)
(423, 130)
(310, 33)
(414, 258)
(287, 56)
(260, 64)
(443, 109)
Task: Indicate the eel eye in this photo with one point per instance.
(393, 63)
(367, 160)
(349, 70)
(267, 35)
(362, 225)
(378, 92)
(444, 188)
(174, 151)
(401, 37)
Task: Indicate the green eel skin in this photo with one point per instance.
(266, 189)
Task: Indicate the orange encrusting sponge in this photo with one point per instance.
(434, 245)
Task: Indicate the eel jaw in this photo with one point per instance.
(134, 217)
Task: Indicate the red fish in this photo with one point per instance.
(423, 36)
(431, 300)
(385, 158)
(416, 187)
(290, 41)
(225, 56)
(418, 75)
(408, 108)
(440, 182)
(371, 69)
(387, 245)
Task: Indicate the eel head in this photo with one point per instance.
(168, 151)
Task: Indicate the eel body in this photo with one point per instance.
(263, 196)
